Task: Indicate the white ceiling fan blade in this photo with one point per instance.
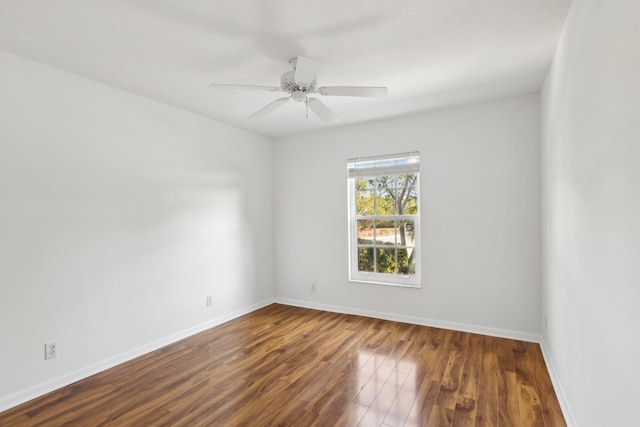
(322, 111)
(269, 108)
(366, 91)
(244, 87)
(306, 70)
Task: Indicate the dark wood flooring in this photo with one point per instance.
(289, 366)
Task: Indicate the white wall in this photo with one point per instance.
(480, 218)
(118, 216)
(591, 211)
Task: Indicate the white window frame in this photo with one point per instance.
(396, 164)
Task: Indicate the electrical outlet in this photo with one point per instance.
(209, 301)
(50, 351)
(314, 287)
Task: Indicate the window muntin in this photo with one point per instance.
(383, 219)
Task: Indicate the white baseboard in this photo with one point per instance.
(45, 387)
(463, 327)
(557, 386)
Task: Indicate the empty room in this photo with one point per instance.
(329, 213)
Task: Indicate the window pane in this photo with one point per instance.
(365, 232)
(364, 203)
(365, 183)
(405, 232)
(408, 200)
(406, 262)
(385, 201)
(365, 259)
(385, 260)
(385, 232)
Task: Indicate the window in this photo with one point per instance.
(384, 225)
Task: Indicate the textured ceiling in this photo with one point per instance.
(429, 53)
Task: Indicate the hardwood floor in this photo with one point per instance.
(288, 366)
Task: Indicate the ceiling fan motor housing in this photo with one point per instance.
(288, 84)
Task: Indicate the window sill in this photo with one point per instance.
(374, 282)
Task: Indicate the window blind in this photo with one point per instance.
(393, 164)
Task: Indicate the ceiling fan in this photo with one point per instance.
(302, 82)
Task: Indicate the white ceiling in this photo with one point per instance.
(429, 53)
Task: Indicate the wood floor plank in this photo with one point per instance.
(406, 397)
(378, 409)
(504, 353)
(424, 403)
(465, 409)
(487, 404)
(403, 402)
(289, 366)
(528, 399)
(431, 366)
(508, 409)
(447, 396)
(450, 383)
(351, 417)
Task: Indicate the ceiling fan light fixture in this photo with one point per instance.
(299, 96)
